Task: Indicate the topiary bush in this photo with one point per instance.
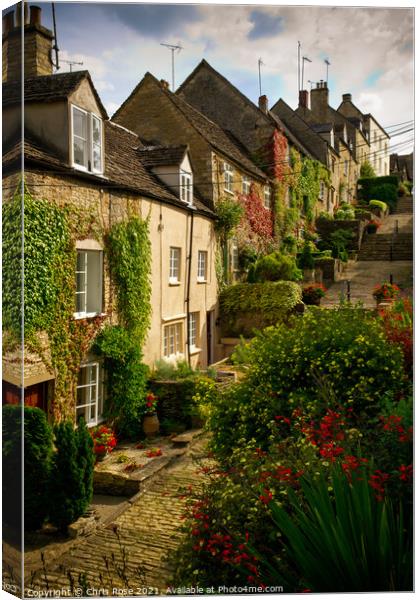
(70, 476)
(306, 260)
(274, 267)
(86, 461)
(378, 204)
(247, 306)
(324, 358)
(37, 465)
(380, 188)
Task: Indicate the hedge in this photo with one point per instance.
(38, 451)
(248, 306)
(379, 188)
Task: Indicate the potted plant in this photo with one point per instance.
(104, 441)
(312, 294)
(372, 226)
(385, 293)
(150, 419)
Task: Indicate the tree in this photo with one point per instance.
(366, 170)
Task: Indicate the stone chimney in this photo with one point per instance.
(346, 97)
(303, 98)
(37, 44)
(263, 104)
(319, 101)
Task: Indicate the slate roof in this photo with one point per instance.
(308, 136)
(123, 166)
(271, 117)
(47, 88)
(155, 156)
(401, 162)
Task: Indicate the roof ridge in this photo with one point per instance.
(122, 127)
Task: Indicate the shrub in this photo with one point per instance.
(229, 214)
(176, 399)
(246, 306)
(69, 476)
(325, 216)
(343, 522)
(126, 381)
(321, 359)
(345, 214)
(380, 188)
(378, 204)
(169, 370)
(86, 461)
(361, 213)
(37, 465)
(366, 170)
(404, 189)
(274, 267)
(398, 327)
(306, 260)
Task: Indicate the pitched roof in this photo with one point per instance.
(270, 117)
(48, 88)
(155, 156)
(304, 132)
(123, 166)
(209, 130)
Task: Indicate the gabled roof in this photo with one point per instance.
(209, 130)
(48, 88)
(123, 167)
(307, 135)
(155, 156)
(270, 117)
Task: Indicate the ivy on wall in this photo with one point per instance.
(129, 252)
(50, 330)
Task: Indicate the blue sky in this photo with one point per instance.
(370, 49)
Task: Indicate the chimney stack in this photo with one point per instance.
(263, 104)
(37, 44)
(346, 97)
(304, 98)
(319, 101)
(164, 84)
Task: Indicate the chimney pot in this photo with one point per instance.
(19, 14)
(8, 22)
(164, 84)
(346, 97)
(263, 103)
(35, 16)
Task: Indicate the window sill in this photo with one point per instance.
(88, 315)
(195, 350)
(174, 283)
(83, 169)
(201, 280)
(229, 191)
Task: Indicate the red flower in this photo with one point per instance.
(377, 482)
(266, 497)
(406, 472)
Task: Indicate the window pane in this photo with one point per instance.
(94, 281)
(80, 151)
(79, 123)
(97, 162)
(96, 131)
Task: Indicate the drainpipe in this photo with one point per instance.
(188, 287)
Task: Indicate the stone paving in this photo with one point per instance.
(364, 275)
(131, 551)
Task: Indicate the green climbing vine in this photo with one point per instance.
(50, 330)
(129, 252)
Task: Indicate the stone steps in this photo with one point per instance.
(378, 247)
(404, 205)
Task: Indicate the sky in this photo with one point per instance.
(370, 50)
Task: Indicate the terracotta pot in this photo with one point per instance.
(151, 425)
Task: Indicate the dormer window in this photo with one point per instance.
(186, 187)
(86, 140)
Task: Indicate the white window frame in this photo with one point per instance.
(321, 190)
(186, 187)
(89, 141)
(202, 266)
(172, 339)
(174, 265)
(194, 330)
(96, 398)
(84, 314)
(246, 184)
(228, 177)
(267, 197)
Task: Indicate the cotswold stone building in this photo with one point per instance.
(102, 174)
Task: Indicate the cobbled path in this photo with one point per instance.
(139, 538)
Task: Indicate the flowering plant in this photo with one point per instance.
(385, 291)
(104, 440)
(312, 293)
(153, 452)
(372, 226)
(151, 403)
